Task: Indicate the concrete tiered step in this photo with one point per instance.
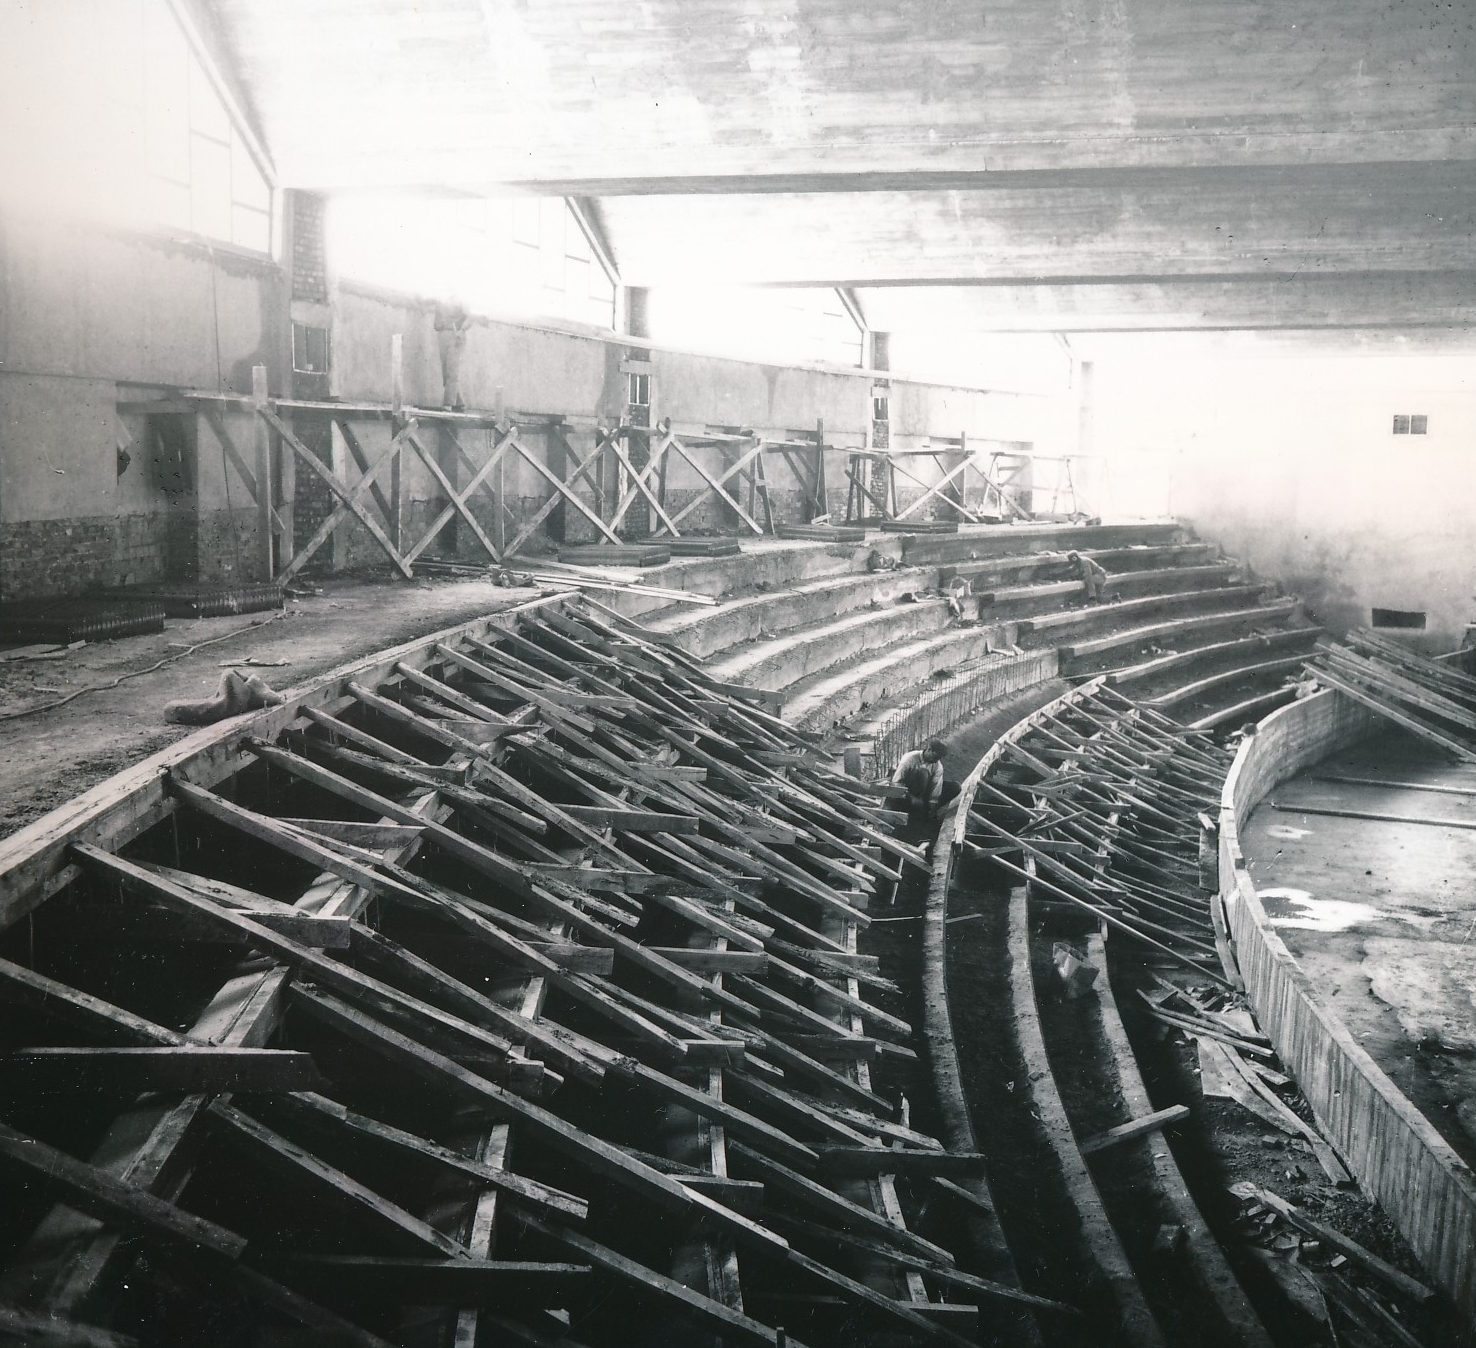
(1052, 565)
(1005, 540)
(1024, 600)
(771, 565)
(811, 620)
(1061, 629)
(1128, 645)
(886, 677)
(783, 660)
(705, 632)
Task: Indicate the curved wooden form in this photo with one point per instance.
(1138, 1326)
(1204, 1250)
(1424, 1186)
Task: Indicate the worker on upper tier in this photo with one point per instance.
(920, 774)
(1093, 577)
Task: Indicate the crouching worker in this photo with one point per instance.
(1093, 577)
(920, 774)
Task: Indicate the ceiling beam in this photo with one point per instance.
(1393, 301)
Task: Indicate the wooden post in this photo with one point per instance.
(963, 477)
(397, 468)
(820, 489)
(263, 474)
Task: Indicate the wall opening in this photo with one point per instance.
(1395, 617)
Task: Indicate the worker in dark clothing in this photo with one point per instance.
(1093, 577)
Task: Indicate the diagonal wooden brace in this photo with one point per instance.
(340, 512)
(715, 488)
(639, 485)
(563, 489)
(337, 488)
(457, 503)
(581, 469)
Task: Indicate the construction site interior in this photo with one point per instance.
(720, 673)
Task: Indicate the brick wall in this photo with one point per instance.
(309, 273)
(60, 557)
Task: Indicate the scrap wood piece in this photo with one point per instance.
(1349, 1294)
(191, 1068)
(1291, 1121)
(94, 1191)
(1363, 1257)
(1196, 1027)
(1126, 1132)
(568, 1206)
(296, 1164)
(601, 1156)
(732, 1325)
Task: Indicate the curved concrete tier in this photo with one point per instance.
(1397, 1154)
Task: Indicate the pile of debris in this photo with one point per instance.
(1364, 1301)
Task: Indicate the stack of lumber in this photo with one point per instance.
(1426, 697)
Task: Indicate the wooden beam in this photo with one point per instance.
(501, 1283)
(296, 1165)
(192, 1068)
(92, 1015)
(50, 1331)
(568, 1206)
(265, 516)
(583, 1146)
(730, 1324)
(815, 1195)
(1126, 1132)
(99, 1194)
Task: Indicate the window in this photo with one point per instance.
(640, 390)
(199, 173)
(1411, 423)
(1418, 424)
(1394, 617)
(525, 256)
(879, 407)
(309, 349)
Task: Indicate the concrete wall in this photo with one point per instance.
(84, 309)
(1290, 464)
(91, 316)
(1397, 1155)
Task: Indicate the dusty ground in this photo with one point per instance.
(1381, 915)
(49, 755)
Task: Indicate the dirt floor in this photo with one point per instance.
(1381, 914)
(49, 752)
